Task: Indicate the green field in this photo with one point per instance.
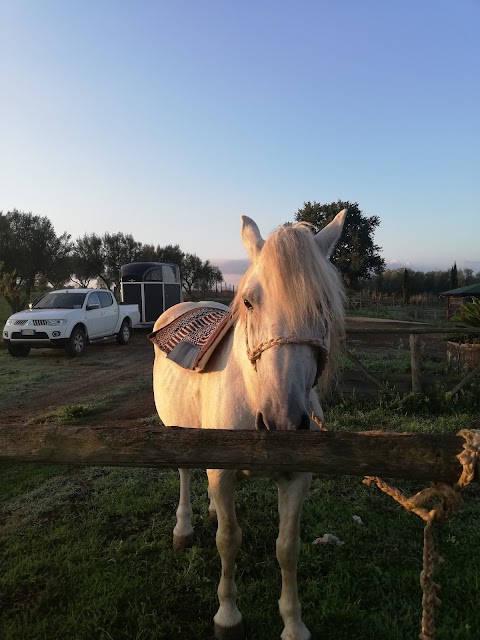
(86, 552)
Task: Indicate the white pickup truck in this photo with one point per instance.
(70, 319)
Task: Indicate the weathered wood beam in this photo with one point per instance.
(396, 455)
(363, 370)
(382, 330)
(416, 363)
(463, 382)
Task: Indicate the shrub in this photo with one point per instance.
(468, 313)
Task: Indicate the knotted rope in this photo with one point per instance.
(451, 501)
(320, 423)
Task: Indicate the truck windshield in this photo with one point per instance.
(61, 301)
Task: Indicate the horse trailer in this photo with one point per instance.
(154, 286)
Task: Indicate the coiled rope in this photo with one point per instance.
(450, 502)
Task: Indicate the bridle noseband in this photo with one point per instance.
(254, 354)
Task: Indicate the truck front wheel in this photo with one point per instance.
(125, 333)
(18, 350)
(77, 343)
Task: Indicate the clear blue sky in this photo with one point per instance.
(170, 119)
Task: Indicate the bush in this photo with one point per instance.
(468, 314)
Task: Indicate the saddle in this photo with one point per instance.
(191, 338)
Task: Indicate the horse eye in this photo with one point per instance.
(248, 304)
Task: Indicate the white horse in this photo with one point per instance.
(289, 318)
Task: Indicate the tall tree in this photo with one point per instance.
(101, 258)
(169, 253)
(454, 276)
(191, 272)
(406, 286)
(118, 249)
(87, 259)
(210, 276)
(28, 248)
(60, 261)
(468, 276)
(356, 255)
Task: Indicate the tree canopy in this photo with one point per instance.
(356, 256)
(392, 281)
(31, 254)
(29, 249)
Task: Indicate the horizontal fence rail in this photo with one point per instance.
(410, 456)
(351, 328)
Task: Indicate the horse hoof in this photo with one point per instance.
(182, 542)
(229, 633)
(300, 633)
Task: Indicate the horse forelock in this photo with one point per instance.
(301, 285)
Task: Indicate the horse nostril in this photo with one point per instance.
(259, 423)
(262, 425)
(304, 422)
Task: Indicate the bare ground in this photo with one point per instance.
(108, 365)
(104, 366)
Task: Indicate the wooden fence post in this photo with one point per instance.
(415, 358)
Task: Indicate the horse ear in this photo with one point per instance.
(329, 236)
(251, 237)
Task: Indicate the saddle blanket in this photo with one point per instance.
(191, 338)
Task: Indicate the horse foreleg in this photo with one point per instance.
(212, 510)
(183, 531)
(228, 619)
(291, 495)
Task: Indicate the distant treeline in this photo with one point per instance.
(406, 282)
(33, 257)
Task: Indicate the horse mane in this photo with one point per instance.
(302, 285)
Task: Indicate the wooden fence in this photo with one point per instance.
(411, 456)
(403, 455)
(414, 333)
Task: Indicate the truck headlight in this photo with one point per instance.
(56, 322)
(9, 322)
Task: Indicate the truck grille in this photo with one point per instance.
(39, 335)
(39, 323)
(20, 322)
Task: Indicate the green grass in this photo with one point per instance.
(5, 311)
(94, 406)
(403, 313)
(393, 361)
(86, 552)
(18, 377)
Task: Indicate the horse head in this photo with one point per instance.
(291, 304)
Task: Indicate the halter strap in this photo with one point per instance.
(254, 354)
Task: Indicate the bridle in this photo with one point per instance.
(255, 354)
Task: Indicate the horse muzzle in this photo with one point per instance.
(266, 421)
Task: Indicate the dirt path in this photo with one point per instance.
(70, 381)
(56, 381)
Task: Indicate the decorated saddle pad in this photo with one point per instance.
(191, 338)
